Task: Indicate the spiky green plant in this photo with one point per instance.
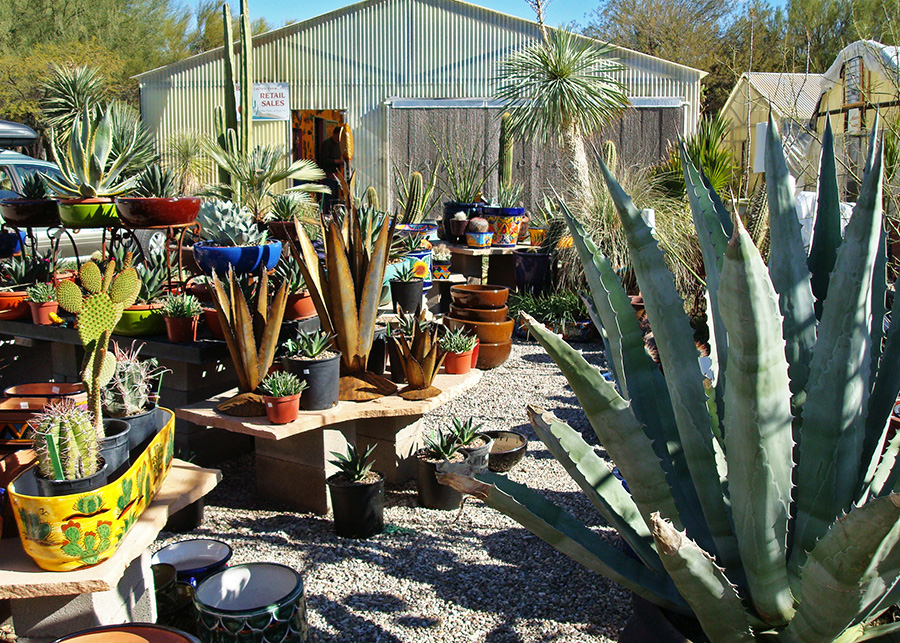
(65, 441)
(153, 274)
(97, 313)
(42, 293)
(282, 384)
(308, 345)
(509, 195)
(465, 172)
(457, 341)
(229, 224)
(403, 244)
(287, 272)
(466, 431)
(354, 465)
(441, 445)
(182, 305)
(763, 499)
(130, 136)
(156, 182)
(406, 272)
(185, 157)
(34, 187)
(134, 381)
(407, 323)
(415, 198)
(67, 91)
(289, 205)
(707, 150)
(25, 269)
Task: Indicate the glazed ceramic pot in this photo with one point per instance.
(358, 506)
(40, 313)
(155, 212)
(490, 332)
(243, 260)
(475, 352)
(88, 213)
(11, 243)
(322, 377)
(130, 633)
(252, 603)
(141, 320)
(181, 330)
(30, 213)
(507, 450)
(440, 269)
(14, 305)
(195, 559)
(458, 363)
(299, 306)
(479, 296)
(537, 235)
(479, 239)
(211, 317)
(424, 256)
(493, 355)
(427, 229)
(282, 410)
(458, 230)
(479, 314)
(504, 223)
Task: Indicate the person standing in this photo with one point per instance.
(331, 160)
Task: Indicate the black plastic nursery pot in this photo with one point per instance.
(322, 377)
(144, 427)
(358, 506)
(50, 488)
(114, 448)
(429, 492)
(407, 295)
(397, 375)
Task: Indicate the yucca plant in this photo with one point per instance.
(762, 501)
(285, 207)
(354, 465)
(288, 272)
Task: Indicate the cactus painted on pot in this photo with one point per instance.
(762, 493)
(65, 441)
(98, 312)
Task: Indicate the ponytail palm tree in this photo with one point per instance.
(562, 89)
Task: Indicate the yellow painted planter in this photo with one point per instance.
(64, 533)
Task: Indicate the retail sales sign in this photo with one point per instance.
(271, 101)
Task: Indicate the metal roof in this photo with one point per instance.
(794, 94)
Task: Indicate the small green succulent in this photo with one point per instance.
(308, 345)
(457, 341)
(465, 432)
(228, 224)
(282, 384)
(354, 465)
(156, 182)
(289, 272)
(183, 305)
(442, 444)
(42, 293)
(289, 205)
(34, 187)
(406, 272)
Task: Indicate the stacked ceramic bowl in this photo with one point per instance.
(482, 311)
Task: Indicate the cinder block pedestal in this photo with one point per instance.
(396, 440)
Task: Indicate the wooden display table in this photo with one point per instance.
(501, 263)
(292, 459)
(46, 605)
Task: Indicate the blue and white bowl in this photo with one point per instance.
(195, 560)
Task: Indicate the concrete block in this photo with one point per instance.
(298, 486)
(40, 620)
(396, 440)
(311, 449)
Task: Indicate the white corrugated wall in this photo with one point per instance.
(357, 57)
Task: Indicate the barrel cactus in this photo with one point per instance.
(372, 197)
(762, 490)
(65, 441)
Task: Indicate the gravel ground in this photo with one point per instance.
(433, 575)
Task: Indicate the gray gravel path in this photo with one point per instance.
(433, 575)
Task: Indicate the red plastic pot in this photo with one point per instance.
(211, 317)
(458, 363)
(299, 306)
(181, 330)
(475, 353)
(281, 410)
(40, 313)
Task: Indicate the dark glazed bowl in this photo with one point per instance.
(490, 332)
(152, 212)
(507, 451)
(479, 296)
(479, 314)
(493, 355)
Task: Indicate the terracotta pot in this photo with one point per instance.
(181, 330)
(458, 363)
(211, 317)
(475, 352)
(26, 213)
(88, 213)
(153, 212)
(48, 389)
(479, 314)
(40, 313)
(299, 306)
(201, 291)
(130, 633)
(281, 410)
(489, 332)
(479, 296)
(493, 355)
(13, 305)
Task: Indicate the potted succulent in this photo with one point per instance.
(16, 275)
(132, 393)
(311, 358)
(459, 346)
(478, 233)
(299, 301)
(504, 219)
(407, 288)
(43, 304)
(181, 313)
(405, 327)
(440, 262)
(458, 223)
(281, 396)
(68, 450)
(89, 177)
(475, 444)
(464, 177)
(144, 316)
(34, 207)
(357, 494)
(155, 201)
(440, 446)
(231, 238)
(415, 200)
(284, 209)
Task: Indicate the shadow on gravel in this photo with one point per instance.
(352, 628)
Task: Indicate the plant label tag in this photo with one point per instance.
(306, 371)
(269, 404)
(54, 389)
(23, 405)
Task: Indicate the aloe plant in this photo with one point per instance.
(718, 529)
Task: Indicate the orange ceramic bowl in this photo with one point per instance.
(13, 305)
(479, 314)
(486, 332)
(479, 296)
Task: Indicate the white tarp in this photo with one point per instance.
(806, 212)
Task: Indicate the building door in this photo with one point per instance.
(310, 128)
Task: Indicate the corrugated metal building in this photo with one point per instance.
(363, 63)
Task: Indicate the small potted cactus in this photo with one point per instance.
(357, 494)
(440, 446)
(181, 313)
(440, 262)
(478, 234)
(311, 358)
(43, 304)
(155, 201)
(459, 346)
(68, 450)
(459, 223)
(231, 238)
(281, 395)
(34, 207)
(132, 393)
(407, 288)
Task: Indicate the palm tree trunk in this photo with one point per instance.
(576, 169)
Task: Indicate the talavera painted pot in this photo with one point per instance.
(196, 559)
(256, 602)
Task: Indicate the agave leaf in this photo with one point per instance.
(758, 426)
(703, 585)
(826, 237)
(678, 354)
(243, 332)
(614, 423)
(371, 288)
(268, 343)
(602, 488)
(889, 633)
(853, 565)
(787, 267)
(881, 404)
(102, 139)
(833, 422)
(344, 314)
(559, 529)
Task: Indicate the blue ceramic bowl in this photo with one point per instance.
(195, 560)
(11, 243)
(243, 260)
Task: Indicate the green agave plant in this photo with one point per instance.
(762, 500)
